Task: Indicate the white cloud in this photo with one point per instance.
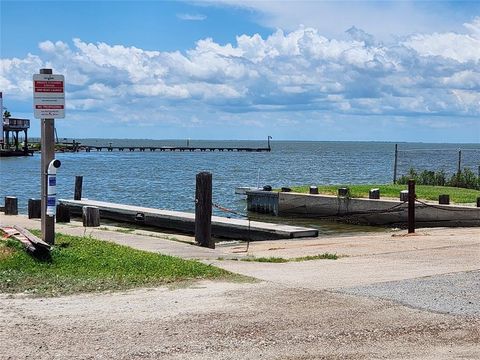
(383, 19)
(302, 70)
(191, 17)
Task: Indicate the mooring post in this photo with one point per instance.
(203, 210)
(90, 216)
(63, 214)
(11, 205)
(78, 188)
(34, 208)
(395, 162)
(411, 206)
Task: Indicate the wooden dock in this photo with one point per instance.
(171, 148)
(185, 222)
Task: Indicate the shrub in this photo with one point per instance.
(464, 179)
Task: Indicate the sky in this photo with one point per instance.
(294, 70)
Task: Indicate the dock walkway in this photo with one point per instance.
(185, 222)
(88, 148)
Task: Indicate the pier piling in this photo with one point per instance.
(78, 188)
(203, 210)
(34, 208)
(91, 216)
(11, 205)
(411, 206)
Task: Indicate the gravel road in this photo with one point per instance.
(457, 293)
(392, 296)
(216, 320)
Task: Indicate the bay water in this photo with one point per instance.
(166, 180)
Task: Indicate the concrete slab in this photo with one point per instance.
(182, 221)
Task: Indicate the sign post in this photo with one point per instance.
(1, 119)
(48, 104)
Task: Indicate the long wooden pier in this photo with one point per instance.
(171, 148)
(185, 222)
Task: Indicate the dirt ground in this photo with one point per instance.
(212, 320)
(392, 297)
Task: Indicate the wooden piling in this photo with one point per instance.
(63, 214)
(11, 205)
(78, 188)
(411, 206)
(374, 194)
(34, 208)
(444, 199)
(90, 216)
(343, 192)
(203, 210)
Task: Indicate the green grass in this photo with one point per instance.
(426, 192)
(284, 260)
(82, 264)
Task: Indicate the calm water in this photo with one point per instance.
(167, 179)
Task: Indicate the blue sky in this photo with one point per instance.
(314, 70)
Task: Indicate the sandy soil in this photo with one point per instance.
(212, 320)
(380, 302)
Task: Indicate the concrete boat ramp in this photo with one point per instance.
(185, 222)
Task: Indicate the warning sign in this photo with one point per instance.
(48, 96)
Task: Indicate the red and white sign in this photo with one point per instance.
(48, 96)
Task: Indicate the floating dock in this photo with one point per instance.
(222, 227)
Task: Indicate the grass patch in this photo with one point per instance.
(83, 264)
(426, 192)
(324, 256)
(273, 259)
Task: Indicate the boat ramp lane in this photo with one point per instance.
(239, 229)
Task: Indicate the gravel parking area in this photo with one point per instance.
(457, 293)
(212, 320)
(392, 296)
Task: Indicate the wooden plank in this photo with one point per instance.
(32, 238)
(13, 233)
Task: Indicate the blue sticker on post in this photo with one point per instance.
(51, 201)
(52, 181)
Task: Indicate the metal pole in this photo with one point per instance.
(411, 206)
(395, 165)
(459, 169)
(47, 155)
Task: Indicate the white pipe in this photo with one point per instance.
(52, 187)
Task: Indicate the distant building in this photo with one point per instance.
(11, 129)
